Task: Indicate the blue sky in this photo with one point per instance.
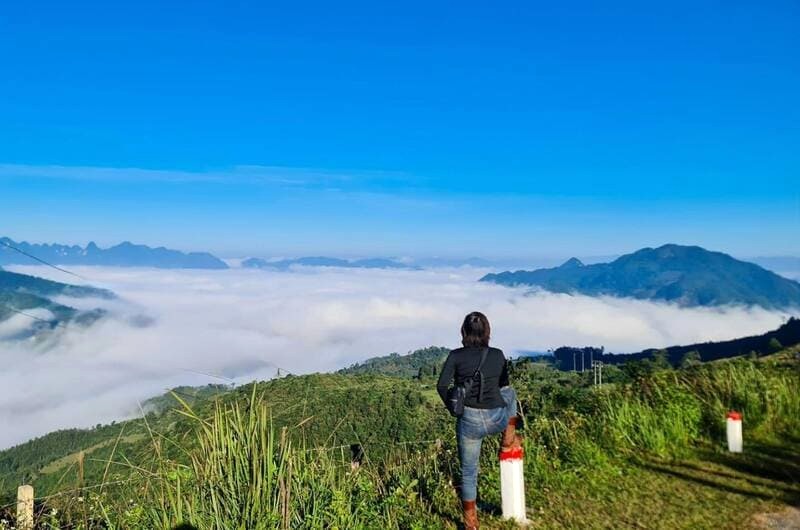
(457, 129)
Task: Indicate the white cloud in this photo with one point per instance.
(19, 323)
(241, 174)
(242, 323)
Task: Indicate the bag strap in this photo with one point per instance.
(484, 354)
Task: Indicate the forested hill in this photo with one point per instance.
(685, 275)
(765, 344)
(570, 358)
(426, 361)
(191, 395)
(21, 292)
(12, 281)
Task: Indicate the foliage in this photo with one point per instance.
(690, 358)
(766, 343)
(192, 395)
(419, 363)
(276, 454)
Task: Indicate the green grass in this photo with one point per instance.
(706, 491)
(71, 459)
(643, 453)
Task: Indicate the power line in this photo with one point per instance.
(40, 260)
(34, 317)
(278, 368)
(198, 372)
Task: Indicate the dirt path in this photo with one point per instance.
(788, 518)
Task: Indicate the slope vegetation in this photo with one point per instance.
(647, 451)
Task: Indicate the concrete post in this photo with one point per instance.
(25, 508)
(734, 431)
(512, 485)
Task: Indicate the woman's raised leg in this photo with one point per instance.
(510, 439)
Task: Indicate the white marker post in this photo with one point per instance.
(25, 507)
(734, 432)
(512, 485)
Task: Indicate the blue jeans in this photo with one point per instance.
(471, 428)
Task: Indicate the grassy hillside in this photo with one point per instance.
(320, 410)
(645, 452)
(191, 395)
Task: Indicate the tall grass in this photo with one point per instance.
(767, 397)
(665, 422)
(241, 475)
(677, 409)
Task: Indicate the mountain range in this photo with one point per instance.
(125, 254)
(323, 261)
(684, 275)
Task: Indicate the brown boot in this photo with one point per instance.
(470, 515)
(511, 440)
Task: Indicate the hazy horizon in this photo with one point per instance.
(236, 256)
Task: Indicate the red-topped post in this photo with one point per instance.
(734, 431)
(512, 485)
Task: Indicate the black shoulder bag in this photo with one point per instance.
(457, 394)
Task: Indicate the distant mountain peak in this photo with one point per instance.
(680, 274)
(673, 250)
(572, 263)
(324, 261)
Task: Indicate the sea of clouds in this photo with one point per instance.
(172, 327)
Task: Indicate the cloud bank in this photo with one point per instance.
(242, 324)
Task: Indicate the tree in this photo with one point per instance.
(636, 370)
(427, 370)
(691, 358)
(661, 360)
(774, 345)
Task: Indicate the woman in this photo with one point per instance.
(489, 408)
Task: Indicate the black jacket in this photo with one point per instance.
(462, 363)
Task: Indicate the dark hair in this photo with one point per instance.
(475, 330)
